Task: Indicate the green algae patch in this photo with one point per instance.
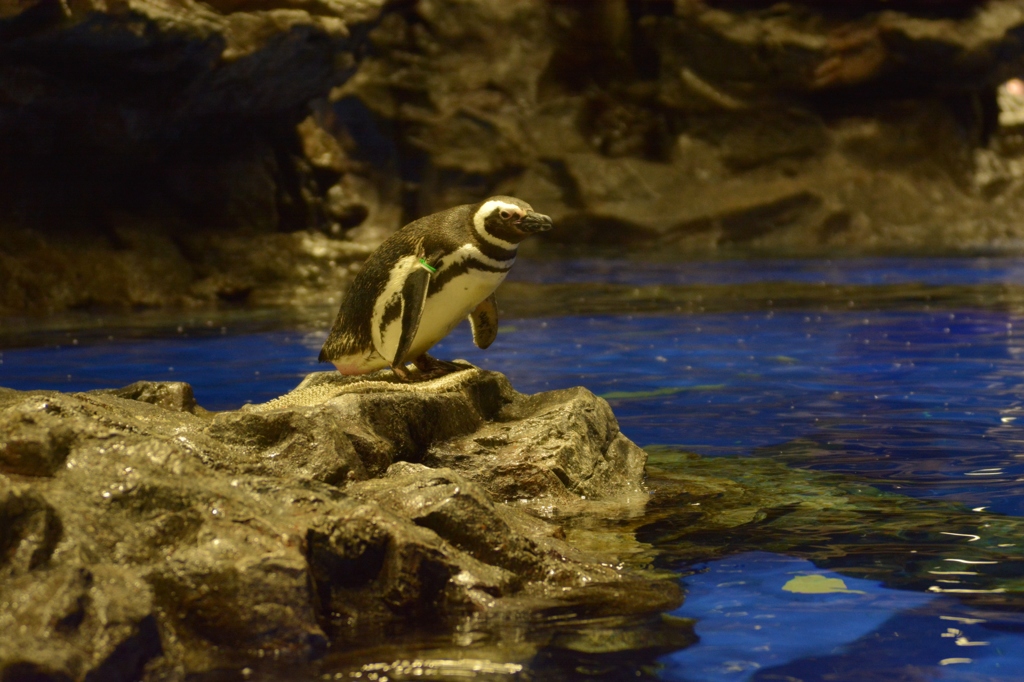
(818, 584)
(703, 509)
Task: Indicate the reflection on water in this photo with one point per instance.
(914, 399)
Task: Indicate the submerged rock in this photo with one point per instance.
(140, 533)
(710, 507)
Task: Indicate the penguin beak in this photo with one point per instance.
(535, 222)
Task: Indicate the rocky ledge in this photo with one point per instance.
(144, 537)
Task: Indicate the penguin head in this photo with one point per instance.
(509, 219)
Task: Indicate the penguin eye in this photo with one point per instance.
(505, 215)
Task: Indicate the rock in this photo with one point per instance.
(637, 202)
(390, 421)
(773, 136)
(752, 52)
(171, 395)
(460, 512)
(180, 127)
(140, 531)
(34, 443)
(539, 448)
(30, 531)
(284, 270)
(692, 128)
(459, 80)
(252, 152)
(306, 442)
(78, 623)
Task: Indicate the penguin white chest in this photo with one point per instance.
(443, 311)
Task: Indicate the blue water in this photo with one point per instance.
(920, 401)
(225, 371)
(755, 623)
(860, 271)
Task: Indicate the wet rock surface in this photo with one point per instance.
(141, 536)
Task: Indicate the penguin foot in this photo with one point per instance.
(432, 368)
(427, 368)
(402, 373)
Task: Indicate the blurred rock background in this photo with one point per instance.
(159, 153)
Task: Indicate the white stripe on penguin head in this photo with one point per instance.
(486, 210)
(467, 251)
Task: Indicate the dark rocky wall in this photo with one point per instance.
(153, 149)
(176, 153)
(796, 127)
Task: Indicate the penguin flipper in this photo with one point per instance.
(484, 321)
(414, 296)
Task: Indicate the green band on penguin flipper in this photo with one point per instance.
(427, 266)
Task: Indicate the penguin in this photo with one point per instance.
(425, 279)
